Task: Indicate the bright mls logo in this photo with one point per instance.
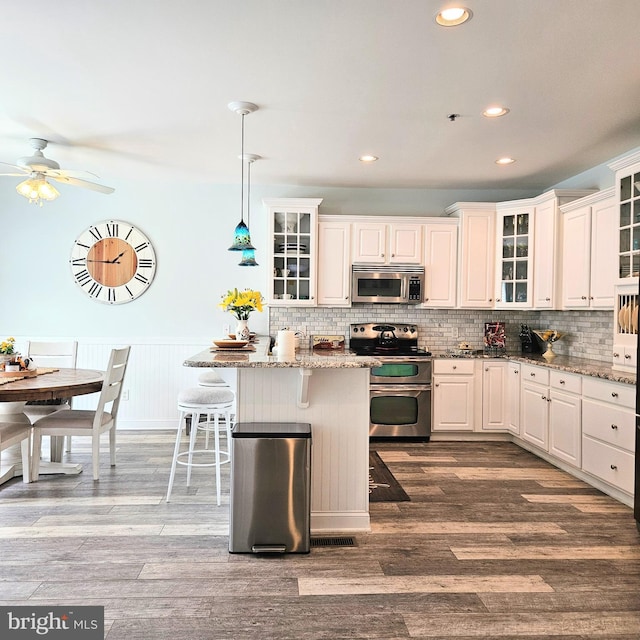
(53, 623)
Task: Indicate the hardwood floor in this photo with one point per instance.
(495, 543)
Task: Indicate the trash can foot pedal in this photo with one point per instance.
(268, 548)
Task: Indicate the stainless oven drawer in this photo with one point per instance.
(400, 411)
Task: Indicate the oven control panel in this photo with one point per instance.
(373, 330)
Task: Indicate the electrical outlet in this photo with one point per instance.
(226, 330)
(125, 394)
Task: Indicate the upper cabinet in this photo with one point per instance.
(476, 251)
(440, 256)
(628, 200)
(386, 243)
(513, 258)
(334, 261)
(293, 250)
(589, 256)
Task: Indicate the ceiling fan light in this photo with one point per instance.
(495, 112)
(36, 190)
(241, 238)
(248, 258)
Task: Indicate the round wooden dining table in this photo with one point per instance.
(53, 385)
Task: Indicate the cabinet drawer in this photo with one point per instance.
(570, 382)
(608, 463)
(452, 367)
(613, 425)
(530, 373)
(622, 395)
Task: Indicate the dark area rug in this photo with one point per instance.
(383, 487)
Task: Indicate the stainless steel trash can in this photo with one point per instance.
(270, 501)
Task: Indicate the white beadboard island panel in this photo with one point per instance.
(339, 416)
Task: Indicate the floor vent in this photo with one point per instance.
(342, 541)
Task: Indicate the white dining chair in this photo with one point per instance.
(51, 354)
(87, 422)
(12, 433)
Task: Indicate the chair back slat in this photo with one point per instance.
(112, 385)
(53, 354)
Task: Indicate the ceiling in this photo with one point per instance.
(138, 89)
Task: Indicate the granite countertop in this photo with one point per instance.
(582, 366)
(303, 359)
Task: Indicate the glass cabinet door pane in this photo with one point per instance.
(507, 291)
(625, 214)
(636, 185)
(521, 292)
(635, 265)
(625, 266)
(508, 227)
(305, 223)
(625, 188)
(521, 269)
(523, 224)
(636, 239)
(507, 270)
(625, 240)
(507, 247)
(636, 212)
(522, 247)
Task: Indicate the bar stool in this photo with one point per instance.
(211, 379)
(211, 402)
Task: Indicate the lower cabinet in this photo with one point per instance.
(565, 417)
(608, 432)
(494, 393)
(453, 395)
(513, 398)
(534, 406)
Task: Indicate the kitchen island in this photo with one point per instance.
(330, 392)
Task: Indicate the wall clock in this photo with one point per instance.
(113, 262)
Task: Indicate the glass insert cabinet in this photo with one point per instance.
(629, 258)
(514, 258)
(293, 248)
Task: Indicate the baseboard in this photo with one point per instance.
(329, 522)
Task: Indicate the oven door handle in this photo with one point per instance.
(399, 389)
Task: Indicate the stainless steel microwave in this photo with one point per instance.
(399, 284)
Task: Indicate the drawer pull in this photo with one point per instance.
(561, 381)
(454, 366)
(614, 394)
(533, 375)
(614, 467)
(614, 427)
(544, 397)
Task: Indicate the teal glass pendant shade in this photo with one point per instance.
(241, 238)
(248, 258)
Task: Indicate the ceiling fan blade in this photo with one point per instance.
(15, 175)
(14, 166)
(77, 182)
(61, 173)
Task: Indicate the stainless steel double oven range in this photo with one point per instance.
(400, 389)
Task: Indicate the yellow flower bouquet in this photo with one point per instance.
(241, 303)
(7, 347)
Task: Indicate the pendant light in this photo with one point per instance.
(241, 237)
(249, 255)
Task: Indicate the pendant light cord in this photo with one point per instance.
(248, 190)
(242, 172)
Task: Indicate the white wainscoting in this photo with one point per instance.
(155, 375)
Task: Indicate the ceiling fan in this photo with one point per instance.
(36, 188)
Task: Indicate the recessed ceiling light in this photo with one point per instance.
(505, 161)
(495, 112)
(368, 158)
(453, 16)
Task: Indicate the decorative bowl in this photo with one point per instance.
(230, 344)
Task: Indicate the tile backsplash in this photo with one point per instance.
(589, 334)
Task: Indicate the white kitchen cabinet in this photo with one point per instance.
(513, 398)
(565, 417)
(440, 256)
(589, 257)
(494, 395)
(514, 225)
(628, 204)
(476, 253)
(545, 265)
(387, 243)
(534, 410)
(453, 395)
(608, 432)
(292, 250)
(334, 262)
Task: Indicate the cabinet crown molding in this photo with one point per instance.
(586, 201)
(458, 207)
(384, 219)
(560, 194)
(627, 161)
(292, 202)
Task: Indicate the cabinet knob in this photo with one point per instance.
(614, 394)
(562, 382)
(547, 299)
(516, 371)
(346, 297)
(497, 299)
(616, 355)
(548, 399)
(487, 369)
(382, 255)
(590, 297)
(437, 384)
(393, 255)
(614, 427)
(454, 366)
(627, 356)
(544, 397)
(533, 375)
(583, 297)
(613, 467)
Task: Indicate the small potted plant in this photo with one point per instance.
(7, 352)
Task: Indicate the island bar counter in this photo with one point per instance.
(331, 392)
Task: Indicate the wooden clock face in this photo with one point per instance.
(113, 262)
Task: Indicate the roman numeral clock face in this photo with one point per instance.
(113, 262)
